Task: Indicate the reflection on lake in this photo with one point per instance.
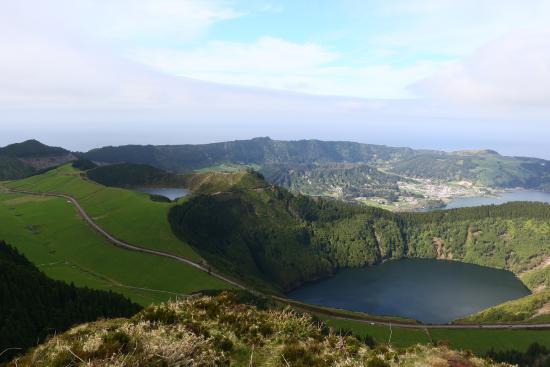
(431, 291)
(518, 195)
(169, 193)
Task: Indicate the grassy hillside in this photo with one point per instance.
(34, 306)
(534, 308)
(479, 341)
(129, 215)
(216, 331)
(48, 231)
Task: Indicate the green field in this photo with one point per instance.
(50, 233)
(130, 216)
(478, 341)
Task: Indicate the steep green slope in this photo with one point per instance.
(29, 157)
(33, 306)
(251, 234)
(221, 331)
(12, 168)
(284, 239)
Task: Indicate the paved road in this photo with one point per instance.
(128, 246)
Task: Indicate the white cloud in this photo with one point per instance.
(448, 28)
(146, 20)
(51, 54)
(267, 55)
(511, 70)
(278, 64)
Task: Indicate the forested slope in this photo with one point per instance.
(33, 306)
(275, 237)
(29, 157)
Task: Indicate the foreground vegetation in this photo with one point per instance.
(478, 340)
(33, 305)
(221, 331)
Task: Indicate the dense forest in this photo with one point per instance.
(266, 234)
(34, 306)
(132, 175)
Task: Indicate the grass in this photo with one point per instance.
(220, 331)
(478, 341)
(50, 233)
(128, 215)
(401, 337)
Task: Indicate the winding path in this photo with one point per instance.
(128, 246)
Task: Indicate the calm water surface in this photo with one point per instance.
(171, 194)
(430, 291)
(520, 195)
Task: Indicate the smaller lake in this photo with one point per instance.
(505, 197)
(169, 193)
(431, 291)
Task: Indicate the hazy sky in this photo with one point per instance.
(423, 73)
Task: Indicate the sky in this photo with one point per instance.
(440, 74)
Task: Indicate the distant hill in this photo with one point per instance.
(29, 157)
(255, 151)
(346, 170)
(34, 306)
(32, 148)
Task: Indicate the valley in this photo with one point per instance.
(285, 240)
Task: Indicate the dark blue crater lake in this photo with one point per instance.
(169, 193)
(431, 291)
(505, 197)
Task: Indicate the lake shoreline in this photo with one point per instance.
(401, 287)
